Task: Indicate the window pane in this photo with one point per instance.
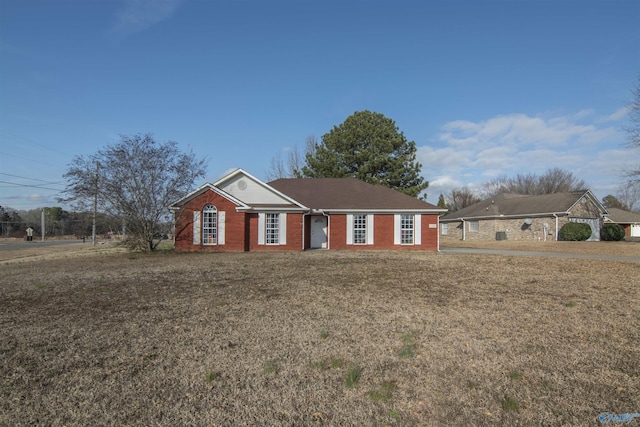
(359, 229)
(209, 225)
(272, 228)
(406, 229)
(474, 226)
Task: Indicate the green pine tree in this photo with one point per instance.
(367, 146)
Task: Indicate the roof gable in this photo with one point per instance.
(253, 191)
(202, 189)
(348, 194)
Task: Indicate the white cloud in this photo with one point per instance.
(138, 15)
(470, 153)
(619, 114)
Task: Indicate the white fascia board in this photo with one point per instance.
(533, 215)
(178, 205)
(247, 208)
(381, 211)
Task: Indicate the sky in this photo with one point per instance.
(485, 88)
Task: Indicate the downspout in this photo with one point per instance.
(556, 229)
(438, 234)
(464, 230)
(304, 216)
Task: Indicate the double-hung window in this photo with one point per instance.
(209, 225)
(474, 226)
(406, 229)
(272, 229)
(359, 229)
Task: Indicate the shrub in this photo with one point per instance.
(575, 231)
(612, 232)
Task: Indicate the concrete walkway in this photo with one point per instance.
(540, 254)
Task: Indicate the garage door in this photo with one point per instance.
(635, 230)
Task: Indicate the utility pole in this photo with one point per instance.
(42, 224)
(95, 207)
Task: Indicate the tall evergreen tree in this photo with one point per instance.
(370, 147)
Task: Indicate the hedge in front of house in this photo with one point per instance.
(575, 231)
(612, 232)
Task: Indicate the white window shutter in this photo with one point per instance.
(349, 229)
(417, 229)
(196, 227)
(397, 238)
(261, 228)
(370, 229)
(221, 220)
(283, 228)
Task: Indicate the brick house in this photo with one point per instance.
(241, 213)
(522, 217)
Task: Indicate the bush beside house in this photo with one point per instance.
(612, 232)
(575, 231)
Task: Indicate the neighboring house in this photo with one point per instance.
(521, 217)
(630, 221)
(241, 213)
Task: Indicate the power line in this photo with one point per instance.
(33, 179)
(30, 160)
(29, 186)
(32, 142)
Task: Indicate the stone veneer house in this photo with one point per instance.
(241, 213)
(522, 217)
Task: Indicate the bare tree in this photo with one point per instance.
(295, 161)
(555, 180)
(633, 132)
(629, 195)
(277, 169)
(136, 180)
(633, 128)
(460, 198)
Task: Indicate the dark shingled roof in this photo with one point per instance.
(347, 193)
(518, 205)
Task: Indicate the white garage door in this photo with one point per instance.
(635, 230)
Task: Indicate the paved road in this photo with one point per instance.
(37, 244)
(540, 254)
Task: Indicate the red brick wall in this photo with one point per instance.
(235, 226)
(382, 234)
(241, 230)
(294, 234)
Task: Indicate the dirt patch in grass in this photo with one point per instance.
(624, 248)
(318, 338)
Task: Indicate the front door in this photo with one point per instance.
(318, 232)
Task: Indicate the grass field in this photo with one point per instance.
(317, 338)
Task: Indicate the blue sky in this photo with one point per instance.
(484, 88)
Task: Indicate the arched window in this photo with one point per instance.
(209, 225)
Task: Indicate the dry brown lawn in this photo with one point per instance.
(316, 338)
